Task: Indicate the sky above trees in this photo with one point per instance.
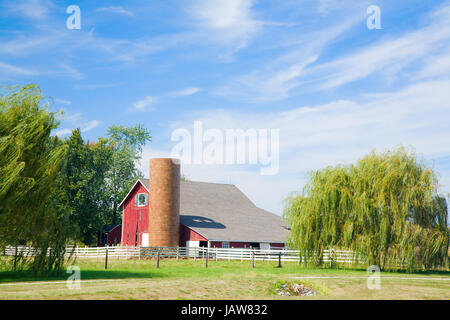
(312, 69)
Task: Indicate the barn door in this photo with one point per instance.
(144, 241)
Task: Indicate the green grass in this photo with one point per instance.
(189, 279)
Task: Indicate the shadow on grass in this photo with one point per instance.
(28, 276)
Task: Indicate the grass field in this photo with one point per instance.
(189, 279)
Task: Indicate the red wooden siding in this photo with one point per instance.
(114, 237)
(277, 245)
(218, 244)
(189, 234)
(134, 218)
(215, 244)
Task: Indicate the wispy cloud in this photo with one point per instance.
(61, 101)
(301, 69)
(229, 23)
(312, 137)
(232, 18)
(91, 125)
(388, 57)
(185, 92)
(15, 70)
(115, 9)
(84, 128)
(69, 71)
(275, 80)
(144, 104)
(94, 86)
(30, 9)
(62, 132)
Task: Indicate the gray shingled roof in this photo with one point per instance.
(222, 212)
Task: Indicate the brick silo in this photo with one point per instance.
(164, 204)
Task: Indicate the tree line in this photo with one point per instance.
(53, 191)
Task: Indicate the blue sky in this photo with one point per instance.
(312, 69)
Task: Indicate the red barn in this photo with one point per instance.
(210, 214)
(111, 235)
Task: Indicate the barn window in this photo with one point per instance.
(141, 200)
(225, 245)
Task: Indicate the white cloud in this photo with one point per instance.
(231, 24)
(115, 9)
(277, 79)
(300, 70)
(436, 66)
(61, 101)
(69, 71)
(143, 105)
(95, 86)
(389, 57)
(62, 132)
(185, 92)
(232, 18)
(312, 137)
(70, 117)
(89, 126)
(11, 69)
(30, 9)
(74, 118)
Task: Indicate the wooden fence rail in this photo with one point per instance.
(118, 252)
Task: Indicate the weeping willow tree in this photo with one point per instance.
(385, 208)
(30, 160)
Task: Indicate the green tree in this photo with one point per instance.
(82, 186)
(30, 159)
(127, 144)
(385, 208)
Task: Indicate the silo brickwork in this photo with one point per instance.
(164, 222)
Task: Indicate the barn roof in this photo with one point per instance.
(222, 212)
(110, 227)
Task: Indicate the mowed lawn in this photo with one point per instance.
(189, 279)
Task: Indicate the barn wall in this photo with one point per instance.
(114, 237)
(216, 244)
(134, 217)
(187, 234)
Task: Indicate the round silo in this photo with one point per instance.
(164, 222)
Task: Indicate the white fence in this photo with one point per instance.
(118, 252)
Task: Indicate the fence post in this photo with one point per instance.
(206, 265)
(178, 252)
(279, 260)
(15, 258)
(253, 259)
(106, 257)
(157, 258)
